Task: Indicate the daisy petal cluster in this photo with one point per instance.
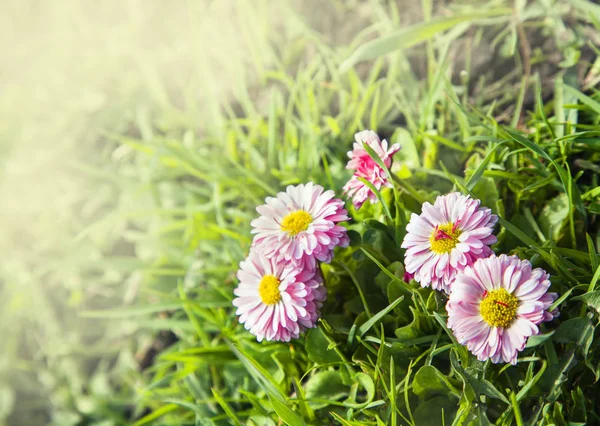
(497, 304)
(281, 289)
(300, 225)
(276, 300)
(364, 167)
(447, 237)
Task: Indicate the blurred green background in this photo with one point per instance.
(91, 226)
(74, 77)
(78, 212)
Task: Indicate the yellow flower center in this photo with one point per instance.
(498, 307)
(444, 238)
(269, 290)
(296, 222)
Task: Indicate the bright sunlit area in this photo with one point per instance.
(299, 212)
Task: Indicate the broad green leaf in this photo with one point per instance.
(590, 290)
(480, 386)
(481, 418)
(575, 330)
(326, 385)
(421, 325)
(364, 381)
(317, 348)
(429, 382)
(591, 299)
(486, 190)
(436, 411)
(355, 238)
(395, 290)
(579, 410)
(554, 216)
(538, 339)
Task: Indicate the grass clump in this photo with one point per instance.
(518, 130)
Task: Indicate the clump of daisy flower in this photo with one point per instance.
(300, 225)
(497, 304)
(446, 237)
(281, 288)
(364, 167)
(276, 301)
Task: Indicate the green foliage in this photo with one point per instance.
(183, 181)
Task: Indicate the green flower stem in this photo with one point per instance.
(407, 187)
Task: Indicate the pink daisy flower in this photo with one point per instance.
(299, 225)
(447, 236)
(276, 301)
(496, 304)
(364, 166)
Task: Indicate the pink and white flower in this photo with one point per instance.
(300, 225)
(276, 301)
(364, 167)
(497, 304)
(446, 237)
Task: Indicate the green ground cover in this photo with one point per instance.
(124, 238)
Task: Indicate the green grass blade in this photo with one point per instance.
(411, 36)
(470, 184)
(285, 413)
(131, 311)
(570, 189)
(384, 269)
(375, 191)
(586, 100)
(156, 414)
(258, 373)
(378, 316)
(227, 408)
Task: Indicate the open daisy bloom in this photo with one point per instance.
(496, 304)
(300, 225)
(446, 237)
(275, 300)
(364, 167)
